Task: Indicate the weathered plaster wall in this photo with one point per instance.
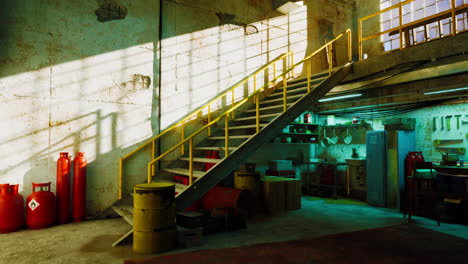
(71, 83)
(210, 45)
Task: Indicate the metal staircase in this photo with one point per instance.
(238, 130)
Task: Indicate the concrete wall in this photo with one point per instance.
(69, 82)
(208, 46)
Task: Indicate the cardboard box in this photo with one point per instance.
(280, 165)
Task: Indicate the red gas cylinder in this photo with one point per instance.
(11, 208)
(211, 154)
(40, 207)
(411, 159)
(63, 188)
(79, 187)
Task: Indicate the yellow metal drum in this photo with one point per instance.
(154, 217)
(247, 181)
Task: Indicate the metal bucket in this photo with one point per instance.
(154, 217)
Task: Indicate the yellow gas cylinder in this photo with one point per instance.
(154, 227)
(247, 181)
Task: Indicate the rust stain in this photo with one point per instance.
(56, 123)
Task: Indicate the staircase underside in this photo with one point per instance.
(187, 195)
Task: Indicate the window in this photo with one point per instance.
(425, 20)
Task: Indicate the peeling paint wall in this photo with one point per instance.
(69, 82)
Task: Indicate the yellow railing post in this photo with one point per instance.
(190, 161)
(226, 136)
(285, 87)
(149, 173)
(209, 119)
(182, 135)
(254, 83)
(350, 45)
(330, 59)
(400, 31)
(309, 73)
(274, 70)
(360, 39)
(232, 102)
(153, 150)
(291, 73)
(454, 19)
(120, 178)
(257, 113)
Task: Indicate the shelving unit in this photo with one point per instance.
(299, 133)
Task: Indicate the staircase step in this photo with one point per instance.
(245, 126)
(202, 160)
(253, 117)
(183, 171)
(125, 210)
(232, 137)
(281, 98)
(213, 148)
(179, 187)
(302, 90)
(268, 107)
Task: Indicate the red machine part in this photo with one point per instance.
(411, 159)
(79, 187)
(225, 197)
(11, 208)
(40, 207)
(63, 188)
(212, 154)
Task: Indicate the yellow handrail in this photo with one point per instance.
(256, 95)
(196, 112)
(453, 10)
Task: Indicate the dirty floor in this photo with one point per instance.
(90, 241)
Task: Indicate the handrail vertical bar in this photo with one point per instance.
(454, 19)
(232, 101)
(182, 136)
(209, 119)
(255, 83)
(257, 112)
(360, 39)
(153, 150)
(330, 59)
(350, 45)
(190, 161)
(291, 75)
(285, 87)
(274, 70)
(309, 66)
(400, 19)
(149, 173)
(226, 136)
(120, 178)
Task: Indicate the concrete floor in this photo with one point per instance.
(90, 241)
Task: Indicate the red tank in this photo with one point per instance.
(212, 154)
(63, 188)
(79, 187)
(411, 159)
(40, 207)
(11, 208)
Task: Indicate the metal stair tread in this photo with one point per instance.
(268, 107)
(232, 137)
(281, 98)
(297, 90)
(214, 148)
(254, 117)
(245, 126)
(206, 160)
(125, 210)
(183, 171)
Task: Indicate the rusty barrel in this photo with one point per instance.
(154, 227)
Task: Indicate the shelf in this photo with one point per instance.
(293, 143)
(310, 134)
(304, 124)
(348, 125)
